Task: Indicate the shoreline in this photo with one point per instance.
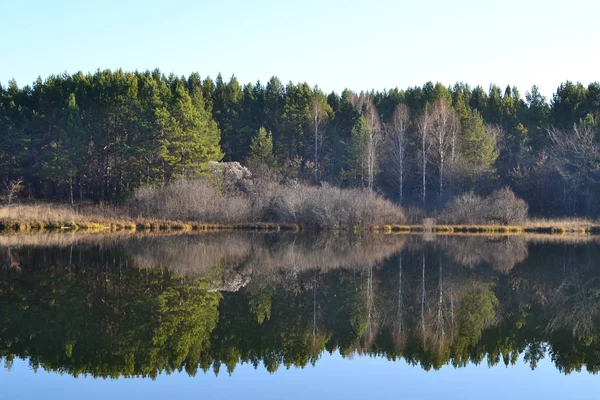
(154, 225)
(59, 218)
(137, 226)
(491, 229)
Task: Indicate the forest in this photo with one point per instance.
(100, 136)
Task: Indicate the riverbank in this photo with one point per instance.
(529, 227)
(20, 218)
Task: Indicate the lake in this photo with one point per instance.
(274, 315)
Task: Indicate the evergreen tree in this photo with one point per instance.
(355, 171)
(479, 147)
(192, 137)
(261, 148)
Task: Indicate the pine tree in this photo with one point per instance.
(479, 146)
(355, 172)
(192, 136)
(261, 148)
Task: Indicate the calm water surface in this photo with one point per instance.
(266, 316)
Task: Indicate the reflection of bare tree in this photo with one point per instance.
(233, 259)
(438, 328)
(8, 259)
(438, 325)
(576, 306)
(261, 258)
(423, 295)
(501, 253)
(398, 327)
(371, 312)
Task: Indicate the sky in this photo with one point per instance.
(333, 377)
(360, 45)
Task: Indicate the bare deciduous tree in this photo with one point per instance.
(12, 189)
(318, 120)
(424, 130)
(575, 155)
(365, 105)
(373, 142)
(445, 126)
(396, 135)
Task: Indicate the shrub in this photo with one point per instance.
(464, 209)
(504, 206)
(267, 200)
(501, 207)
(189, 200)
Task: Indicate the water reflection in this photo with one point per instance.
(136, 305)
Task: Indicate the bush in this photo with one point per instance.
(505, 207)
(464, 209)
(502, 207)
(189, 200)
(313, 207)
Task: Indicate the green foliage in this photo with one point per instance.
(477, 311)
(261, 148)
(479, 147)
(260, 306)
(355, 171)
(191, 139)
(99, 136)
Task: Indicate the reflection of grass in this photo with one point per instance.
(569, 225)
(538, 226)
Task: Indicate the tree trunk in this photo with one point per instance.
(441, 180)
(423, 295)
(424, 189)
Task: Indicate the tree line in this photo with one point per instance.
(99, 136)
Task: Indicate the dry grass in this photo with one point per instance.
(51, 217)
(39, 213)
(65, 218)
(92, 218)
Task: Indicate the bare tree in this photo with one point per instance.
(365, 105)
(399, 334)
(445, 126)
(318, 120)
(373, 142)
(12, 189)
(396, 135)
(424, 130)
(575, 155)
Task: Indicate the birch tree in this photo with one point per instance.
(396, 135)
(372, 135)
(320, 112)
(445, 126)
(373, 142)
(424, 130)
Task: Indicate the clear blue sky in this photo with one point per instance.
(332, 377)
(335, 44)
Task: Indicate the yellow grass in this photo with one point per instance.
(572, 226)
(64, 218)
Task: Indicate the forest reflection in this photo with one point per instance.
(135, 305)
